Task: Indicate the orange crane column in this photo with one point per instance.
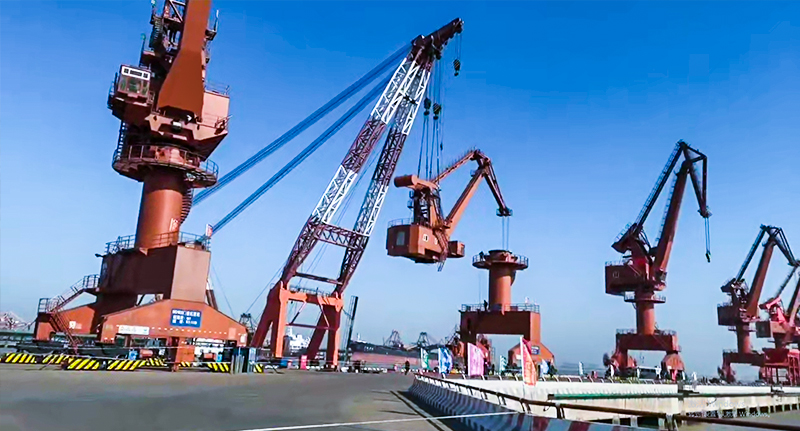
(645, 317)
(501, 276)
(502, 266)
(161, 206)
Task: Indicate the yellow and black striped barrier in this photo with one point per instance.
(124, 364)
(83, 364)
(258, 368)
(219, 367)
(187, 364)
(19, 358)
(55, 359)
(154, 362)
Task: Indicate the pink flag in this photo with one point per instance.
(528, 366)
(474, 360)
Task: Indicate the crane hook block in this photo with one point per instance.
(457, 66)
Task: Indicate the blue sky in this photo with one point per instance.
(578, 105)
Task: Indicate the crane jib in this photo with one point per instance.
(634, 237)
(399, 102)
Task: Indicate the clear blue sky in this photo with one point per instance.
(578, 105)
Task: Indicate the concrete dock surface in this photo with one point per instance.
(32, 399)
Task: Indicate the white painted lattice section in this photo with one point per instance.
(334, 195)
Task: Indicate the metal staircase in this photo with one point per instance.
(53, 307)
(186, 205)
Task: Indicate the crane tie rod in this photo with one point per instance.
(303, 125)
(311, 148)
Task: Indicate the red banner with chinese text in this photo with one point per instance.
(529, 376)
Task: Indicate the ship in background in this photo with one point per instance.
(393, 352)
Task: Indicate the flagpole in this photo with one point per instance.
(522, 363)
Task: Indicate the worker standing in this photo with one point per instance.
(407, 367)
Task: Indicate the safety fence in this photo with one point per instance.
(443, 394)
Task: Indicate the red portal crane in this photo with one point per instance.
(400, 102)
(643, 271)
(171, 122)
(426, 237)
(742, 310)
(499, 315)
(783, 324)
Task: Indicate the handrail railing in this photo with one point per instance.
(217, 88)
(515, 374)
(515, 258)
(166, 156)
(560, 407)
(401, 221)
(162, 240)
(657, 332)
(499, 307)
(631, 296)
(312, 291)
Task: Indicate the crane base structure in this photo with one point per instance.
(498, 315)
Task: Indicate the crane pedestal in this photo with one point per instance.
(629, 279)
(498, 315)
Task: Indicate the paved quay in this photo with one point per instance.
(32, 399)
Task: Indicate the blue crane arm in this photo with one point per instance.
(310, 149)
(302, 126)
